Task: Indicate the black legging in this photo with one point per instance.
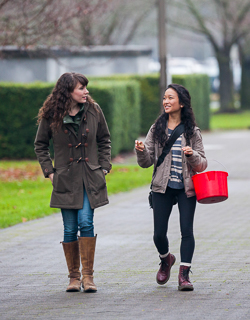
(163, 204)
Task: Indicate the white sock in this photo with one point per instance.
(164, 255)
(185, 264)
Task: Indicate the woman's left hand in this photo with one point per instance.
(188, 151)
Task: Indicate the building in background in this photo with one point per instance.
(17, 65)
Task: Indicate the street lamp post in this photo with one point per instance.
(162, 46)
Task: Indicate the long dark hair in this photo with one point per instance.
(187, 117)
(58, 103)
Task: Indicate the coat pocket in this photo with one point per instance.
(157, 179)
(62, 180)
(96, 177)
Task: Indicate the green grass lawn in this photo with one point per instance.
(27, 197)
(25, 200)
(230, 121)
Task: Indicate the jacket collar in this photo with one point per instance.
(67, 119)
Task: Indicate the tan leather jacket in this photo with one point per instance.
(190, 165)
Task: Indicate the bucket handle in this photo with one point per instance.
(219, 163)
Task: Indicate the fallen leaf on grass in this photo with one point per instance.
(28, 172)
(123, 170)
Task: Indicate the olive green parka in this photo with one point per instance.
(79, 160)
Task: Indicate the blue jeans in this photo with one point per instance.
(74, 220)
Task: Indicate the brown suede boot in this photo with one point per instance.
(163, 274)
(184, 282)
(71, 251)
(87, 252)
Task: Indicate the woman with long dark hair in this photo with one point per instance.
(172, 180)
(81, 142)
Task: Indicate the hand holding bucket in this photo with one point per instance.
(211, 186)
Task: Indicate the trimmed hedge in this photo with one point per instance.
(150, 100)
(120, 102)
(131, 103)
(197, 84)
(19, 105)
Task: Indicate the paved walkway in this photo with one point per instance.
(33, 269)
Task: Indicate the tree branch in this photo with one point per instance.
(3, 3)
(199, 19)
(245, 10)
(136, 24)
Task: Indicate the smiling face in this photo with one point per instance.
(171, 102)
(80, 93)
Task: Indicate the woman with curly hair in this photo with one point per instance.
(82, 152)
(172, 180)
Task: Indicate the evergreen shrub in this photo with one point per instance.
(151, 106)
(19, 105)
(120, 102)
(198, 86)
(149, 93)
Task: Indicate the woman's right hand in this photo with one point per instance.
(51, 176)
(139, 145)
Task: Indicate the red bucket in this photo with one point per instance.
(211, 186)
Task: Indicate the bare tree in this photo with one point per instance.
(224, 23)
(244, 50)
(3, 3)
(28, 23)
(116, 25)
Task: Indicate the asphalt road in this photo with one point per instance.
(34, 274)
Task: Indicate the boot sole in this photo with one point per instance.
(185, 288)
(162, 283)
(90, 290)
(73, 290)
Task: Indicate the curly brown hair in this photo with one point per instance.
(58, 103)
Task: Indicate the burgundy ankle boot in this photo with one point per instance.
(184, 282)
(163, 274)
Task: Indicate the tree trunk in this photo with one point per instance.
(245, 82)
(226, 81)
(87, 39)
